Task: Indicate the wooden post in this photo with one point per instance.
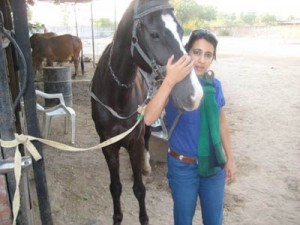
(6, 134)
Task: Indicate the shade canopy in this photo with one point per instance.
(66, 1)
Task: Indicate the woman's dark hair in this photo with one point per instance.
(202, 34)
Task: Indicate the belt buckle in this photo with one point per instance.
(181, 157)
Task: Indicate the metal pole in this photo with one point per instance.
(115, 14)
(93, 37)
(76, 25)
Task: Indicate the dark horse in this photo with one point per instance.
(147, 35)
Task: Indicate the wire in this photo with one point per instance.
(23, 71)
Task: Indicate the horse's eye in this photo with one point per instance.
(154, 35)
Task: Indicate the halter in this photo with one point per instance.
(139, 12)
(111, 110)
(157, 70)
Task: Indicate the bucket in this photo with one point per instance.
(58, 80)
(158, 148)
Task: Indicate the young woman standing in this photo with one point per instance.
(200, 158)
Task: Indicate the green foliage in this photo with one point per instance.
(268, 19)
(248, 18)
(35, 28)
(185, 10)
(103, 22)
(191, 16)
(207, 13)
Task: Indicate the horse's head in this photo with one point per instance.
(156, 36)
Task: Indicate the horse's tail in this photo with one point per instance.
(81, 61)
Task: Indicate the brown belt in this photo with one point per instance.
(190, 160)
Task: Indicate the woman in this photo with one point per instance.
(197, 165)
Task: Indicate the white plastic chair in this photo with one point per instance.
(60, 110)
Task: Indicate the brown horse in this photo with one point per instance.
(147, 35)
(57, 48)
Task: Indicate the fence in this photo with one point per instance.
(84, 31)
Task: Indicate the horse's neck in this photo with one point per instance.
(121, 62)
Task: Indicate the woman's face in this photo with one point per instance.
(202, 53)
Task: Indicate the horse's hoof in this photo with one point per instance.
(118, 219)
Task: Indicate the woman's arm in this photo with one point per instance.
(175, 73)
(226, 142)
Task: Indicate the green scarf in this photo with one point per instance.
(209, 146)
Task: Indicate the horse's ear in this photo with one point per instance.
(142, 1)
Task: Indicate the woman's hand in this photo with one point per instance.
(175, 73)
(230, 167)
(179, 70)
(231, 170)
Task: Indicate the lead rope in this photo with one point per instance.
(179, 113)
(26, 140)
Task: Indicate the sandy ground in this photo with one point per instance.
(261, 84)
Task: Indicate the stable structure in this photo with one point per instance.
(15, 72)
(60, 110)
(16, 83)
(92, 17)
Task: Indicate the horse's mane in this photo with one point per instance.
(128, 15)
(104, 56)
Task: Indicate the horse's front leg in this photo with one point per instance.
(146, 165)
(136, 158)
(111, 154)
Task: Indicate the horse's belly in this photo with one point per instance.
(62, 54)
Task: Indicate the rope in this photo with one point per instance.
(27, 139)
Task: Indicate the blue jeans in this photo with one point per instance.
(186, 185)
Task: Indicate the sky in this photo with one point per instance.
(51, 14)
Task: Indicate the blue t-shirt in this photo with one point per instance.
(184, 138)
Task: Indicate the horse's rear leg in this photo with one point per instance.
(76, 63)
(136, 159)
(112, 159)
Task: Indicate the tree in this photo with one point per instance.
(191, 15)
(248, 18)
(103, 22)
(185, 10)
(268, 19)
(207, 13)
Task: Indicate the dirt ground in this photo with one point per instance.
(260, 80)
